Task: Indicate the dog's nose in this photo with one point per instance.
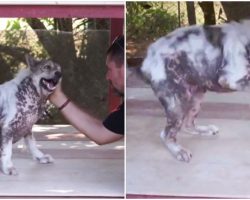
(58, 74)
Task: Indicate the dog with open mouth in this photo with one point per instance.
(22, 103)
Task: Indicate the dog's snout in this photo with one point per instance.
(58, 74)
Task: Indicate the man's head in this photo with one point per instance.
(115, 65)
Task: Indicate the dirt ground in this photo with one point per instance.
(136, 49)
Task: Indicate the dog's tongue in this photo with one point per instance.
(49, 85)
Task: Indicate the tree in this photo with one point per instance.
(146, 21)
(191, 12)
(208, 11)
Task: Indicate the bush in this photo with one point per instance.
(150, 22)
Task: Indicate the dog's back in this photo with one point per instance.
(187, 47)
(203, 53)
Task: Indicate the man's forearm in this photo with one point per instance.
(88, 125)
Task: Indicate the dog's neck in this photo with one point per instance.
(28, 88)
(22, 75)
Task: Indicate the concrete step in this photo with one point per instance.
(234, 97)
(218, 163)
(81, 168)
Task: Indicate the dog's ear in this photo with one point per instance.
(31, 62)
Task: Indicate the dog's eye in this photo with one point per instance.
(46, 67)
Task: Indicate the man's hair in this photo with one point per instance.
(116, 50)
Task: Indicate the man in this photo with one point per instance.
(112, 128)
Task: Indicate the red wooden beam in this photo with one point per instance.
(63, 11)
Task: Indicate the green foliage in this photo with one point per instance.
(12, 34)
(18, 34)
(149, 20)
(13, 25)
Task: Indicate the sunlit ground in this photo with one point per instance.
(64, 137)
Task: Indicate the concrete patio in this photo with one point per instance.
(81, 168)
(220, 166)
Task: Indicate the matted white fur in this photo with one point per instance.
(22, 103)
(188, 62)
(7, 165)
(237, 36)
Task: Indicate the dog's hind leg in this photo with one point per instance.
(174, 113)
(189, 125)
(6, 153)
(36, 153)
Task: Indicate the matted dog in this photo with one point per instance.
(22, 103)
(186, 63)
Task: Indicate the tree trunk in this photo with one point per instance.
(208, 11)
(191, 12)
(236, 10)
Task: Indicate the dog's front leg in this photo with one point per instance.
(36, 153)
(7, 165)
(174, 113)
(168, 136)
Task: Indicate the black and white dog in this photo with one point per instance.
(183, 65)
(22, 103)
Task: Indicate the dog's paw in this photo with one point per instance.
(214, 130)
(209, 130)
(183, 155)
(10, 171)
(176, 150)
(45, 159)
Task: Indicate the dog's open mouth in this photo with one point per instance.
(48, 84)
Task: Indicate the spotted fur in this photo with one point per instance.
(183, 65)
(22, 103)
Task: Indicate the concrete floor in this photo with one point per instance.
(81, 168)
(220, 166)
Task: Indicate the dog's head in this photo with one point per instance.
(46, 74)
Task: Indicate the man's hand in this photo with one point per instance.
(58, 97)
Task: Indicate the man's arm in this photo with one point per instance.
(81, 120)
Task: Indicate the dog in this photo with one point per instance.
(22, 103)
(183, 65)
